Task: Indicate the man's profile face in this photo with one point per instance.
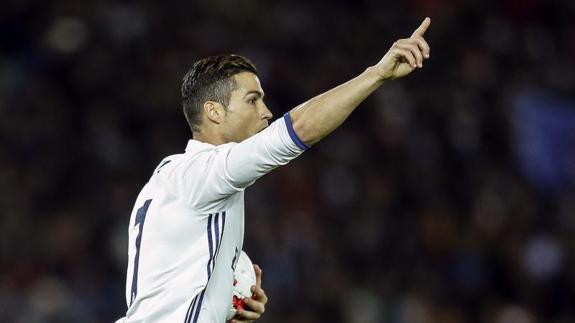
(246, 113)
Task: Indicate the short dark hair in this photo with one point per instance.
(211, 79)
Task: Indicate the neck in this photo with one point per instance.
(208, 137)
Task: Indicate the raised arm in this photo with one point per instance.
(319, 116)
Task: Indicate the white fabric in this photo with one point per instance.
(195, 200)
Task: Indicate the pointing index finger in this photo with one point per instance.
(422, 28)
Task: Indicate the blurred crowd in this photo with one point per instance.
(448, 197)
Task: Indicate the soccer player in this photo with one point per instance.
(187, 226)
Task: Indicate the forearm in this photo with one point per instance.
(319, 116)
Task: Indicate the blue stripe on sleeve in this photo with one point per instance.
(292, 133)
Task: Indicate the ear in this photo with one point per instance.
(214, 111)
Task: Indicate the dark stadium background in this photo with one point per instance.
(447, 197)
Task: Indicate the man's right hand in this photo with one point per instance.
(405, 55)
(256, 305)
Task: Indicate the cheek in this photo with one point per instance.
(248, 125)
(247, 119)
(242, 125)
(244, 122)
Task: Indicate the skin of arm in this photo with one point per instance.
(318, 117)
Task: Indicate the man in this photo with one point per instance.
(187, 227)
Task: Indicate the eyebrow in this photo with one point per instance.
(261, 94)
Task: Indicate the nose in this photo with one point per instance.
(267, 114)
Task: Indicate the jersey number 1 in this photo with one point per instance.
(140, 217)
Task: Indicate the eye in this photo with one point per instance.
(252, 100)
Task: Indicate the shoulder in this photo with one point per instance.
(197, 157)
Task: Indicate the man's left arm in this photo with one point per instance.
(256, 305)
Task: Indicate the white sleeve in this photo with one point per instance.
(256, 156)
(213, 175)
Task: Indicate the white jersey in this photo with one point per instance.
(187, 227)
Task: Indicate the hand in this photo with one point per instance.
(256, 305)
(405, 55)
